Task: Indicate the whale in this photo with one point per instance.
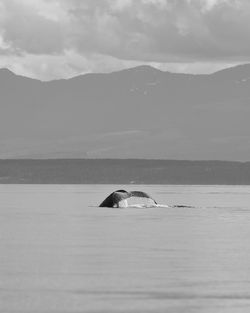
(119, 198)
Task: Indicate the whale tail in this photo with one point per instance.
(123, 198)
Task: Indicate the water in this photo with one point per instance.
(60, 253)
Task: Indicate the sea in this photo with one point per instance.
(61, 253)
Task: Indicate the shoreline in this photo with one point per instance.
(122, 171)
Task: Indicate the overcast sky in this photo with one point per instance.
(50, 39)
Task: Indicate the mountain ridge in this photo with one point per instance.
(140, 112)
(135, 68)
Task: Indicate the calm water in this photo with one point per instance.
(59, 253)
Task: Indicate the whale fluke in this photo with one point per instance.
(116, 198)
(141, 194)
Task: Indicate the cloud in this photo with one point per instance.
(31, 27)
(69, 37)
(69, 64)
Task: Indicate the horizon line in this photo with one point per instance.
(124, 159)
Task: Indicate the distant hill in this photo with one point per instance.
(135, 113)
(107, 171)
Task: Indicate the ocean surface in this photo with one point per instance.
(59, 252)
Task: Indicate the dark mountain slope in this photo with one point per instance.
(140, 112)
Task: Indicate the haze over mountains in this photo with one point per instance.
(136, 113)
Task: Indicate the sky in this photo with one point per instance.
(53, 39)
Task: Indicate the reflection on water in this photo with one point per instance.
(59, 252)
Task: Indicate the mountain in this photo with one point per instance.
(140, 112)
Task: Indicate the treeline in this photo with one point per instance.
(117, 171)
